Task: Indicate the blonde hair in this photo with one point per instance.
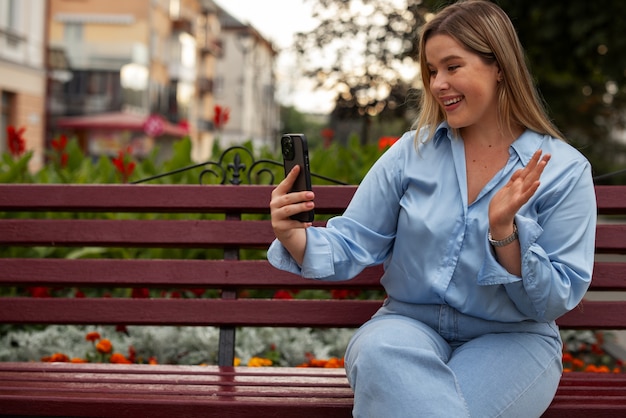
(484, 29)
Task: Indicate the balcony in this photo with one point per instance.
(100, 55)
(214, 47)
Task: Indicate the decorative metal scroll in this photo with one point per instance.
(236, 165)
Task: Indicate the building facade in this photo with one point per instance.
(145, 57)
(23, 74)
(246, 85)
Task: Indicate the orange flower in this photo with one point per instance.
(104, 346)
(78, 360)
(152, 361)
(119, 358)
(332, 363)
(56, 358)
(578, 363)
(92, 336)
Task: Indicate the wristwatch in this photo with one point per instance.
(505, 241)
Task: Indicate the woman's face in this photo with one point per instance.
(462, 83)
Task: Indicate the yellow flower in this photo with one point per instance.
(259, 362)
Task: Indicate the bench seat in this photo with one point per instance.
(42, 389)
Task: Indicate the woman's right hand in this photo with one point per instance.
(289, 232)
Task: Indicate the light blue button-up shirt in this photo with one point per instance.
(411, 213)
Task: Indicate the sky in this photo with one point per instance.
(277, 21)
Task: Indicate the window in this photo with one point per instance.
(6, 118)
(12, 15)
(73, 33)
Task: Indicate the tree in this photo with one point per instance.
(575, 49)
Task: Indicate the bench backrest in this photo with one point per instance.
(221, 222)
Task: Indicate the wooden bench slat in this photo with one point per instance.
(185, 233)
(161, 198)
(595, 315)
(611, 238)
(195, 198)
(135, 233)
(253, 312)
(609, 276)
(610, 200)
(242, 274)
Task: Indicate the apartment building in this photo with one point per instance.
(134, 61)
(23, 73)
(245, 84)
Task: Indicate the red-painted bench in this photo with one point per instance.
(62, 389)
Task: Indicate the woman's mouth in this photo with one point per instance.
(452, 101)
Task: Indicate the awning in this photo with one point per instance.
(153, 125)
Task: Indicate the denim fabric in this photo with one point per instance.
(432, 361)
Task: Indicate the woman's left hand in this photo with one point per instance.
(519, 189)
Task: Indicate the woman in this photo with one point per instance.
(484, 220)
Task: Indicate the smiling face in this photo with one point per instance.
(463, 84)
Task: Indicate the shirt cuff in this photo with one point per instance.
(492, 272)
(318, 258)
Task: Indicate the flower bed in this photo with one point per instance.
(175, 345)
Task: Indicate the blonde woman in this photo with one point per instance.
(484, 219)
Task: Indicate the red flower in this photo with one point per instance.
(17, 144)
(123, 166)
(60, 143)
(93, 336)
(339, 293)
(39, 292)
(132, 354)
(328, 134)
(198, 292)
(140, 293)
(385, 142)
(221, 115)
(283, 294)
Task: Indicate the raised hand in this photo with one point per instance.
(283, 204)
(519, 189)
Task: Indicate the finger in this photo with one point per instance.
(287, 183)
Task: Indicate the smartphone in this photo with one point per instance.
(296, 152)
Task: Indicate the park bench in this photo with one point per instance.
(221, 390)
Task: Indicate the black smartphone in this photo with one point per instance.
(296, 152)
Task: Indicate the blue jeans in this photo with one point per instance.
(432, 361)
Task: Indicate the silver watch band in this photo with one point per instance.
(505, 241)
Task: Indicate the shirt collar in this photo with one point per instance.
(442, 131)
(524, 146)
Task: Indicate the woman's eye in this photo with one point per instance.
(452, 67)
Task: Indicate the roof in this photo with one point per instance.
(122, 121)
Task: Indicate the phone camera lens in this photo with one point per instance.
(287, 147)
